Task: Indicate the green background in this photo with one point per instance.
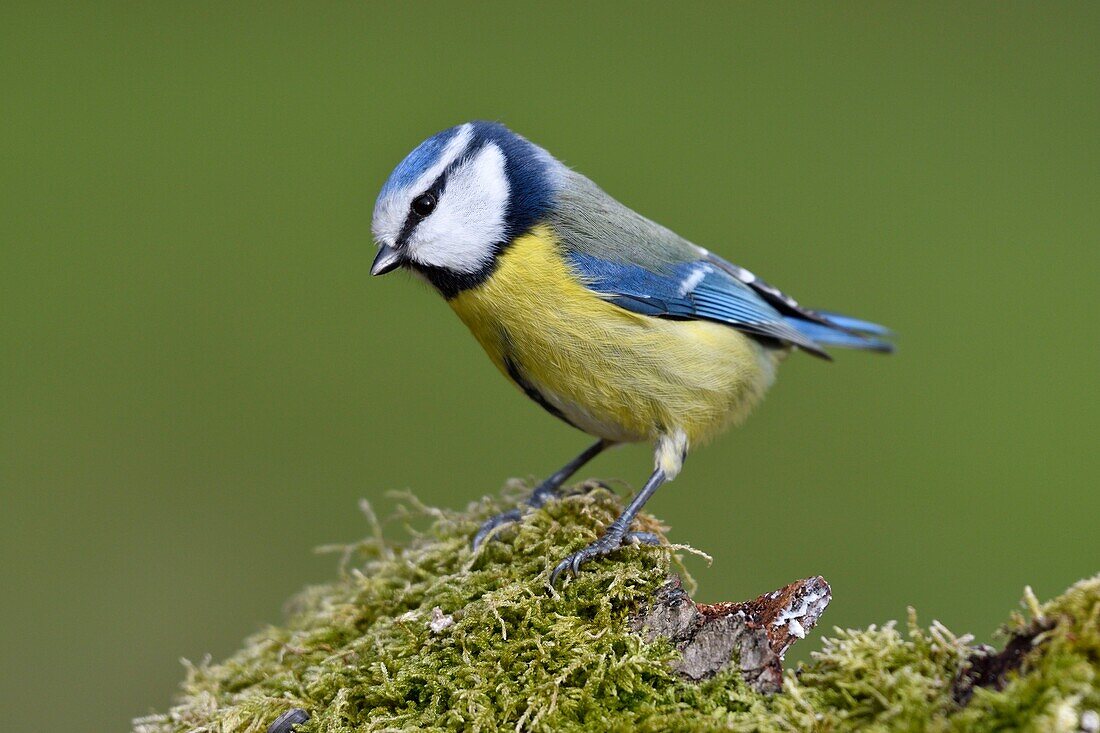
(198, 378)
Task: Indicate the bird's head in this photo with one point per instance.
(455, 203)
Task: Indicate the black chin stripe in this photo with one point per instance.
(450, 283)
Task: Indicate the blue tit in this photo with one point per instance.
(609, 321)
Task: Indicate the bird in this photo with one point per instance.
(609, 321)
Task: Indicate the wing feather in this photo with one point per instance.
(690, 290)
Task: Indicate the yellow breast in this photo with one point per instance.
(613, 373)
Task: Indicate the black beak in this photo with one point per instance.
(388, 260)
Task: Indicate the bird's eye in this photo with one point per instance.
(423, 204)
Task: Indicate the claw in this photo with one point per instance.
(288, 721)
(492, 523)
(558, 570)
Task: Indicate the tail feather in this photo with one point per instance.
(854, 324)
(844, 332)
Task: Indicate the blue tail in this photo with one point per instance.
(845, 332)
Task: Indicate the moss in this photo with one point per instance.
(369, 652)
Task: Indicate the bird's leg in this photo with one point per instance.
(545, 491)
(550, 488)
(616, 535)
(668, 455)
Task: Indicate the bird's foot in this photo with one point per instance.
(512, 515)
(536, 500)
(605, 545)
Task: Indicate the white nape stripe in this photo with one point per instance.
(469, 220)
(455, 147)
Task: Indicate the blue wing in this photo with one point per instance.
(712, 289)
(690, 290)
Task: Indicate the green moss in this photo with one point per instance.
(507, 654)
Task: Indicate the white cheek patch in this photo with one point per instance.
(469, 220)
(390, 212)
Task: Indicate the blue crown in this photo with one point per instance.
(419, 160)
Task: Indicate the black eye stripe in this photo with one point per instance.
(413, 218)
(436, 191)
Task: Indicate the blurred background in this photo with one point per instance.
(198, 378)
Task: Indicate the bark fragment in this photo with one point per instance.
(755, 634)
